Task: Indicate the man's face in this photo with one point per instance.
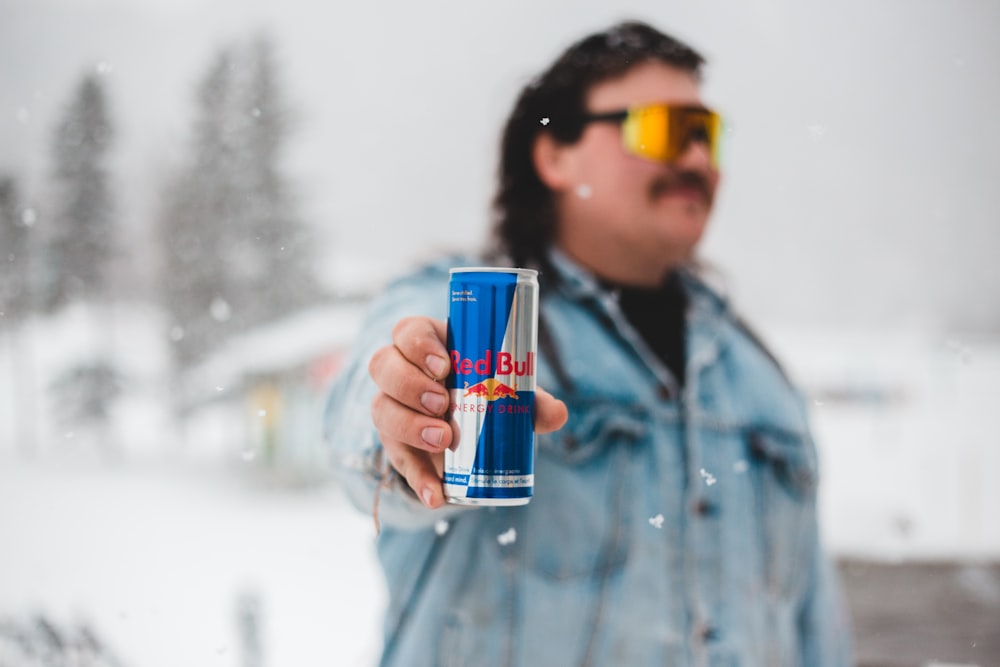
(628, 218)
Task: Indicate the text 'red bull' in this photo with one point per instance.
(505, 364)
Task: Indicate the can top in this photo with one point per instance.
(494, 269)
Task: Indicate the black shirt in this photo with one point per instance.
(658, 314)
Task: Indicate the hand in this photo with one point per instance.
(410, 408)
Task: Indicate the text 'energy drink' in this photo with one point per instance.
(492, 340)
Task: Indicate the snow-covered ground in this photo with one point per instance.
(908, 433)
(159, 558)
(159, 535)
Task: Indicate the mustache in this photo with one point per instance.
(681, 180)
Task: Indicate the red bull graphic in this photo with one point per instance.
(492, 339)
(490, 389)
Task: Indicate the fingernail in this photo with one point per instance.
(436, 365)
(434, 402)
(432, 435)
(427, 495)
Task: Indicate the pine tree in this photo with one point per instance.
(15, 290)
(281, 277)
(82, 236)
(15, 305)
(201, 205)
(79, 246)
(237, 252)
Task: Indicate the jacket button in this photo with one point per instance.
(663, 391)
(704, 507)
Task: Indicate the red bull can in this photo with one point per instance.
(493, 341)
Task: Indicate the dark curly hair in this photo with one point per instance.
(524, 217)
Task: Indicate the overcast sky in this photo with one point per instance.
(859, 186)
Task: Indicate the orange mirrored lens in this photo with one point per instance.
(662, 132)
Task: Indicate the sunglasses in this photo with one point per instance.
(662, 132)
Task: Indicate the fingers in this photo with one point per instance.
(409, 370)
(550, 413)
(407, 408)
(421, 341)
(421, 470)
(399, 423)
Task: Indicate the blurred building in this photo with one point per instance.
(261, 397)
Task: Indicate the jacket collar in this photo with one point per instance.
(708, 308)
(577, 281)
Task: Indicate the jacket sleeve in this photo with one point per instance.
(824, 619)
(358, 459)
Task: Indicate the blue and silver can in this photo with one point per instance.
(493, 341)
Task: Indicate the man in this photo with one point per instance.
(674, 516)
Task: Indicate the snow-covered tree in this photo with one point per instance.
(81, 239)
(200, 207)
(16, 303)
(15, 290)
(237, 253)
(276, 271)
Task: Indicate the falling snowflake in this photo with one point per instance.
(262, 413)
(507, 538)
(817, 131)
(248, 455)
(220, 310)
(583, 191)
(441, 527)
(961, 351)
(656, 521)
(708, 477)
(740, 466)
(545, 121)
(28, 217)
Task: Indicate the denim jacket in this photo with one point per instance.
(667, 527)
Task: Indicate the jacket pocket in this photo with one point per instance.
(785, 478)
(576, 525)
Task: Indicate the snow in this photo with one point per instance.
(507, 537)
(907, 430)
(157, 555)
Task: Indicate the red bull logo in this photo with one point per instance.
(491, 389)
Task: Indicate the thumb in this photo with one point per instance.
(550, 413)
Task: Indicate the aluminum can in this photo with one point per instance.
(493, 342)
